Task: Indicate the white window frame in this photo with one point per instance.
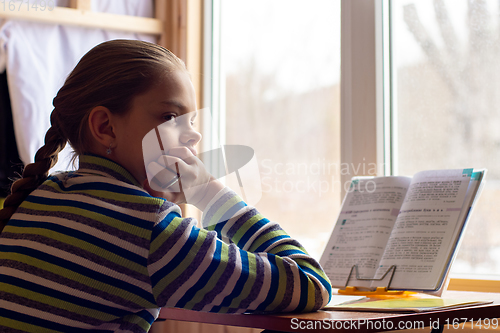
(361, 108)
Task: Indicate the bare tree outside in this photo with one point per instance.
(448, 106)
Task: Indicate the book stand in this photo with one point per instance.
(380, 291)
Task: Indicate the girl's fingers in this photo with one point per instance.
(162, 179)
(169, 162)
(179, 176)
(188, 168)
(183, 153)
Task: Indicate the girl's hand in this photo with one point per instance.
(195, 184)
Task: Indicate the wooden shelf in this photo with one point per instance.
(85, 18)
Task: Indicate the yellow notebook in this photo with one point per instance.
(407, 304)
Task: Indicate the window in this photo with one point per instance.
(279, 93)
(446, 106)
(424, 101)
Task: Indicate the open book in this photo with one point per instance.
(414, 223)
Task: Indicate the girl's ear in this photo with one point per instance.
(101, 126)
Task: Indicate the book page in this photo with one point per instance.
(473, 193)
(363, 227)
(425, 227)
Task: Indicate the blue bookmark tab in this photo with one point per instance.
(467, 172)
(476, 175)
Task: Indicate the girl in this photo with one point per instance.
(99, 250)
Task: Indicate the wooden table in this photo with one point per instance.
(348, 321)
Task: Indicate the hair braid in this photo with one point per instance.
(35, 173)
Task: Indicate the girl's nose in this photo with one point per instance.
(190, 136)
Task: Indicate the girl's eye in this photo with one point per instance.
(169, 117)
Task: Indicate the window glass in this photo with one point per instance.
(447, 106)
(280, 62)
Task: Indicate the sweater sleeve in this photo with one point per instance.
(258, 267)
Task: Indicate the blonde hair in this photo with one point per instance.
(110, 75)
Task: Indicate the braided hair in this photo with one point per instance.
(110, 75)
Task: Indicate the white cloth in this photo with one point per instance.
(38, 58)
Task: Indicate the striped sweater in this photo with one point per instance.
(90, 250)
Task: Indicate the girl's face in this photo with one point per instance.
(172, 97)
